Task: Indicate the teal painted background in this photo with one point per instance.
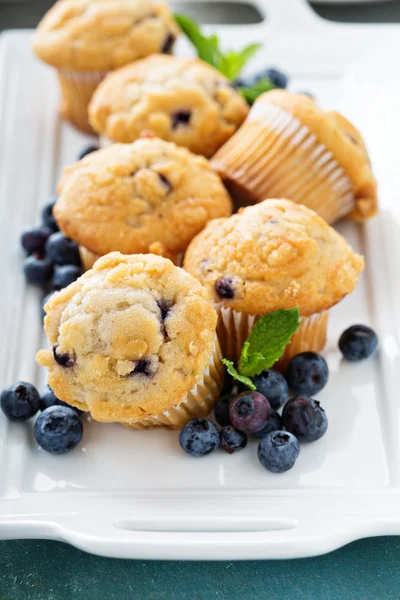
(38, 570)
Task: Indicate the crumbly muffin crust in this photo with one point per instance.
(276, 254)
(86, 35)
(149, 196)
(130, 338)
(185, 101)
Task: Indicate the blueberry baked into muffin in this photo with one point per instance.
(133, 341)
(274, 255)
(85, 39)
(185, 101)
(149, 196)
(288, 147)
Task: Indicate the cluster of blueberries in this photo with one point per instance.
(58, 428)
(53, 260)
(242, 413)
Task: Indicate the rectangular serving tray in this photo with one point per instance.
(135, 494)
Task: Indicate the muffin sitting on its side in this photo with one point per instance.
(288, 147)
(149, 196)
(85, 39)
(133, 341)
(274, 255)
(185, 101)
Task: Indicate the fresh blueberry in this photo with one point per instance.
(34, 240)
(180, 118)
(278, 78)
(48, 398)
(58, 429)
(65, 275)
(224, 288)
(232, 440)
(221, 410)
(47, 215)
(20, 401)
(86, 151)
(37, 270)
(274, 423)
(272, 385)
(249, 412)
(62, 251)
(307, 373)
(358, 342)
(199, 437)
(278, 451)
(45, 299)
(305, 418)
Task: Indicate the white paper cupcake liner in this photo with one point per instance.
(274, 156)
(234, 328)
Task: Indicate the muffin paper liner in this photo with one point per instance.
(199, 402)
(88, 258)
(274, 156)
(77, 89)
(234, 328)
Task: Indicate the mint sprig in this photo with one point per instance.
(265, 344)
(251, 93)
(208, 49)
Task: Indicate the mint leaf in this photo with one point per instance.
(232, 371)
(260, 87)
(229, 64)
(267, 340)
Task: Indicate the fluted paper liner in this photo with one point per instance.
(77, 89)
(234, 328)
(199, 402)
(274, 156)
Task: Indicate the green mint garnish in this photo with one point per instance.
(250, 94)
(265, 344)
(232, 371)
(207, 47)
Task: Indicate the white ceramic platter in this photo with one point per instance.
(136, 494)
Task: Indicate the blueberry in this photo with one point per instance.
(45, 299)
(273, 386)
(167, 44)
(48, 398)
(278, 78)
(165, 181)
(182, 117)
(278, 451)
(64, 359)
(37, 270)
(47, 215)
(20, 401)
(274, 423)
(249, 412)
(34, 240)
(199, 437)
(65, 275)
(232, 440)
(143, 367)
(358, 342)
(58, 429)
(307, 373)
(305, 418)
(221, 410)
(86, 151)
(224, 288)
(165, 308)
(62, 251)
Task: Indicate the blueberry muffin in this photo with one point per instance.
(274, 255)
(185, 101)
(133, 341)
(85, 39)
(149, 196)
(289, 147)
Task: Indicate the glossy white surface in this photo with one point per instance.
(136, 494)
